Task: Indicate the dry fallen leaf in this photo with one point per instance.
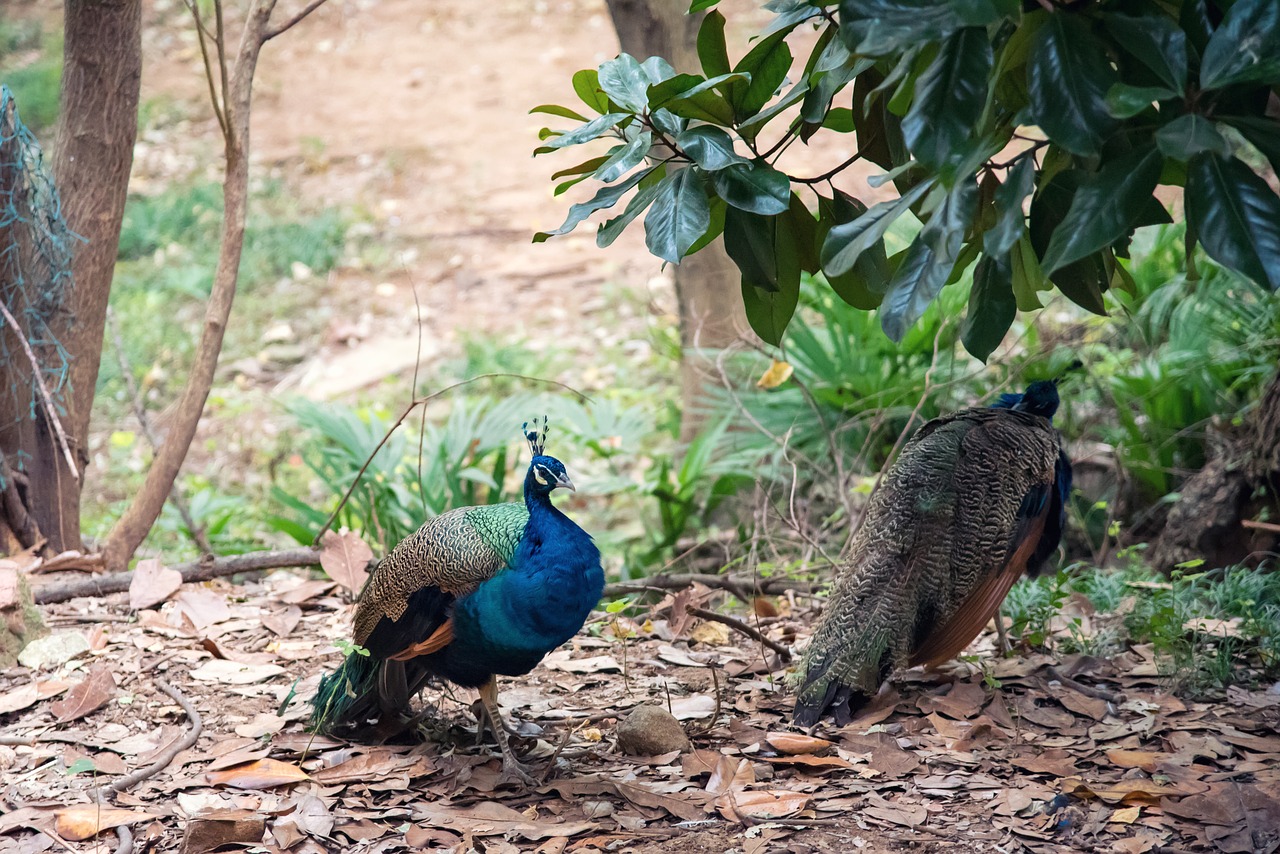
(152, 584)
(1144, 759)
(84, 821)
(234, 672)
(203, 607)
(561, 660)
(345, 558)
(1126, 815)
(88, 695)
(259, 774)
(29, 694)
(735, 805)
(793, 743)
(218, 827)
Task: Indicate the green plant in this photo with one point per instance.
(32, 69)
(1097, 105)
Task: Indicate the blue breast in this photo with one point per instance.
(515, 618)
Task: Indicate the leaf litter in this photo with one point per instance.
(939, 760)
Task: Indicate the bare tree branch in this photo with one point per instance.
(306, 10)
(45, 397)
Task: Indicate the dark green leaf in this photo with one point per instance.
(805, 228)
(789, 13)
(699, 5)
(678, 216)
(586, 83)
(1068, 77)
(1125, 101)
(864, 285)
(1011, 220)
(699, 101)
(660, 93)
(593, 129)
(1187, 136)
(712, 52)
(647, 192)
(1262, 134)
(624, 81)
(1105, 209)
(755, 188)
(1236, 216)
(717, 207)
(766, 252)
(949, 99)
(709, 147)
(1156, 41)
(1245, 48)
(606, 197)
(884, 27)
(846, 242)
(583, 168)
(1028, 278)
(557, 110)
(767, 63)
(752, 126)
(626, 158)
(929, 261)
(839, 119)
(668, 122)
(1082, 282)
(992, 307)
(656, 69)
(879, 131)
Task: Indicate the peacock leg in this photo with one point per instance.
(1001, 634)
(512, 770)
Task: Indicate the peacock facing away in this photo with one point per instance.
(474, 593)
(975, 499)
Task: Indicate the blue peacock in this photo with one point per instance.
(475, 593)
(976, 499)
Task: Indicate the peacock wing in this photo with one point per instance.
(449, 556)
(1004, 483)
(940, 524)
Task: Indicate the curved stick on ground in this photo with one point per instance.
(739, 626)
(124, 838)
(130, 780)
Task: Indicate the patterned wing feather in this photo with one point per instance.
(444, 559)
(944, 523)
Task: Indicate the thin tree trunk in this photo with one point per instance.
(97, 127)
(707, 283)
(232, 110)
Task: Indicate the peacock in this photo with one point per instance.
(975, 499)
(476, 592)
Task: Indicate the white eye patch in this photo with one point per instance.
(541, 475)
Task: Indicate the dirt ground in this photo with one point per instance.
(1068, 753)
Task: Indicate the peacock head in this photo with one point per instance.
(1040, 398)
(545, 473)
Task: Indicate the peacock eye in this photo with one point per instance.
(540, 474)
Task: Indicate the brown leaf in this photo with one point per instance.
(777, 374)
(686, 807)
(1144, 759)
(731, 772)
(84, 821)
(793, 743)
(904, 815)
(819, 763)
(152, 584)
(283, 623)
(492, 819)
(86, 696)
(259, 774)
(770, 803)
(377, 764)
(203, 607)
(305, 592)
(1125, 791)
(29, 694)
(345, 558)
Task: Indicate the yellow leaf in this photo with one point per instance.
(778, 373)
(1128, 815)
(792, 743)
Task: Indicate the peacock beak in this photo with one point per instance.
(563, 480)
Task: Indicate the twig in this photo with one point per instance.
(564, 740)
(201, 33)
(306, 10)
(738, 625)
(1270, 527)
(140, 412)
(419, 401)
(201, 570)
(47, 399)
(1088, 690)
(830, 173)
(124, 836)
(130, 780)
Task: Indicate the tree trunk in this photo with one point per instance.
(102, 70)
(707, 284)
(1241, 479)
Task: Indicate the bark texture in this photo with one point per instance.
(1241, 479)
(707, 283)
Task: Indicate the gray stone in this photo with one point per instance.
(650, 731)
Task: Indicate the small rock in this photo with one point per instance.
(650, 731)
(53, 650)
(278, 333)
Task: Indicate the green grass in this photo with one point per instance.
(31, 66)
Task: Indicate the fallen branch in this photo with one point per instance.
(201, 570)
(742, 588)
(1261, 526)
(130, 780)
(739, 626)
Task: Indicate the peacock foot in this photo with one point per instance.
(515, 774)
